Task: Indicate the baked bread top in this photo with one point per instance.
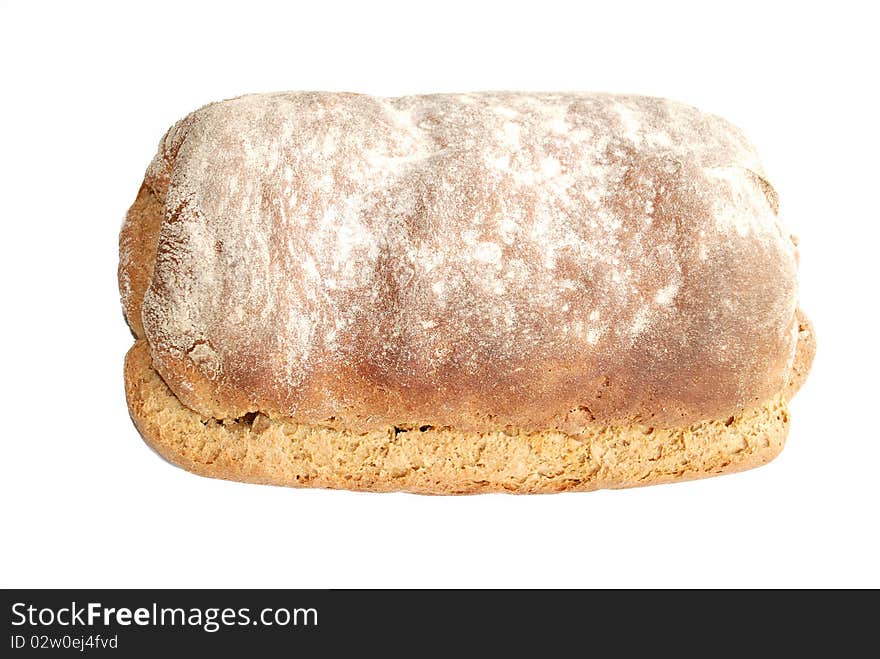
(472, 261)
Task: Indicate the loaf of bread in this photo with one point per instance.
(460, 293)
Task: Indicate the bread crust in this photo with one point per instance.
(425, 460)
(454, 294)
(668, 296)
(137, 254)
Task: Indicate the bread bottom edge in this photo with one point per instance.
(444, 461)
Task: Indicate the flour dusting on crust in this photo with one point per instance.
(478, 260)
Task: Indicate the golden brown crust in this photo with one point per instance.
(426, 460)
(137, 254)
(803, 358)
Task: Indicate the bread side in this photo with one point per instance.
(480, 261)
(426, 460)
(137, 254)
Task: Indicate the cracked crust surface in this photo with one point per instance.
(426, 460)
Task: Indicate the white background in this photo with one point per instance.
(88, 90)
